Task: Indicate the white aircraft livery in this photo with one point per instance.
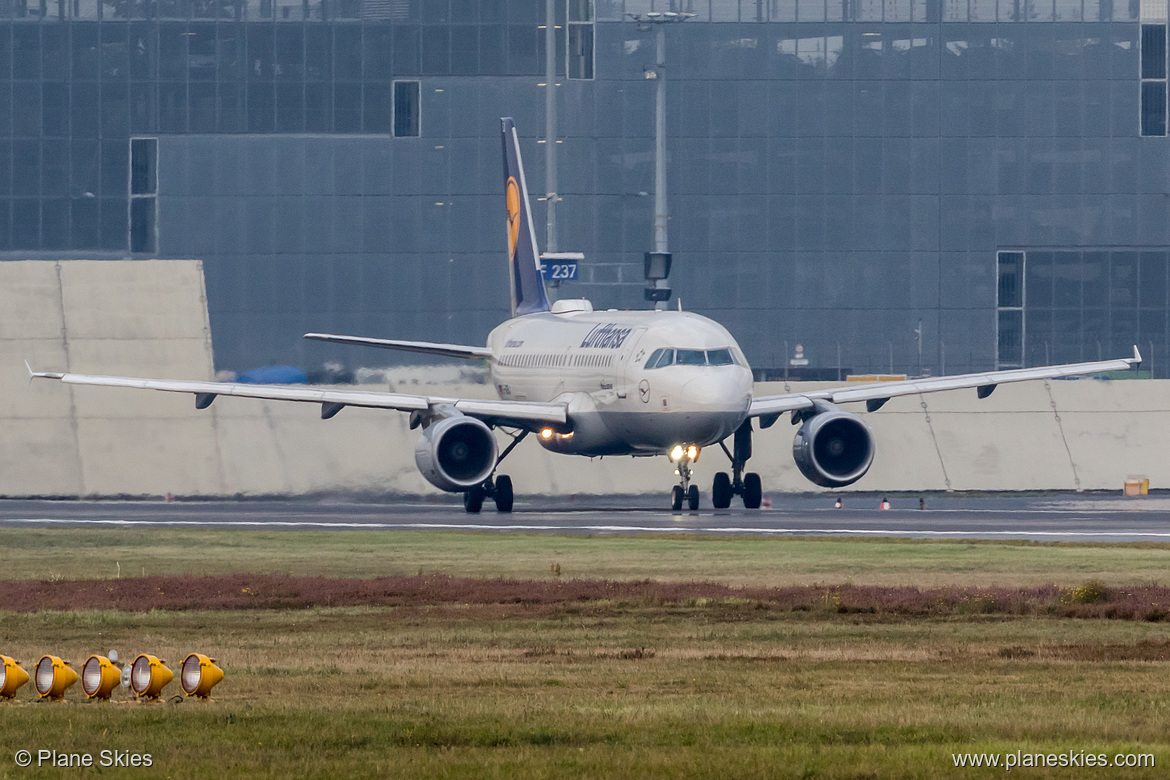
(611, 382)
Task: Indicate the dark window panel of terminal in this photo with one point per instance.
(436, 50)
(142, 50)
(55, 52)
(289, 65)
(347, 107)
(261, 102)
(407, 50)
(290, 108)
(55, 223)
(5, 51)
(26, 223)
(85, 227)
(347, 53)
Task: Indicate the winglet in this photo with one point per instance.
(1136, 360)
(41, 374)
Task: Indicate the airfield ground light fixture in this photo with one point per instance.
(11, 677)
(198, 675)
(100, 676)
(53, 677)
(148, 676)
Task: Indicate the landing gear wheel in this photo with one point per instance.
(473, 500)
(693, 498)
(676, 497)
(753, 492)
(721, 491)
(503, 493)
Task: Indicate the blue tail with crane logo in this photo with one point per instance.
(528, 294)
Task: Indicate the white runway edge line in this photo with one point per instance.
(598, 528)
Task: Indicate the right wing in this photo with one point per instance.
(427, 347)
(518, 414)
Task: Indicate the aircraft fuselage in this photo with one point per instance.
(599, 363)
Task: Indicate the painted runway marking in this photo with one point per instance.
(598, 528)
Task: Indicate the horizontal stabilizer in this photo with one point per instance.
(426, 347)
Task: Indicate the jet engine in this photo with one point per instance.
(456, 453)
(833, 448)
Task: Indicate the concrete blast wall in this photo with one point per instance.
(149, 318)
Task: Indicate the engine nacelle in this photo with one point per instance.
(833, 448)
(456, 453)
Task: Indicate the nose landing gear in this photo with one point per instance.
(684, 490)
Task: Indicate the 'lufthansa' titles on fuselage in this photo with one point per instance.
(607, 336)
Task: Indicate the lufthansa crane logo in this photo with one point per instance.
(513, 196)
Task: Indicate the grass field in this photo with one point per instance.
(106, 553)
(634, 686)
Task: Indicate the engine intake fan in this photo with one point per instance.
(833, 448)
(456, 453)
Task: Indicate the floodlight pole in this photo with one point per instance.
(658, 20)
(550, 124)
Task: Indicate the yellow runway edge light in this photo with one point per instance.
(199, 674)
(53, 677)
(148, 676)
(99, 677)
(13, 676)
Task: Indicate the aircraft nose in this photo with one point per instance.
(716, 392)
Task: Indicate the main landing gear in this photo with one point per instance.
(496, 487)
(499, 489)
(739, 484)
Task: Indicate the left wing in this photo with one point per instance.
(876, 394)
(518, 414)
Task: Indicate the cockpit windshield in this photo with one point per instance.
(719, 357)
(691, 357)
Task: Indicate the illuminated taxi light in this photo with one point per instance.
(148, 676)
(99, 677)
(11, 677)
(199, 674)
(546, 433)
(692, 452)
(53, 677)
(677, 452)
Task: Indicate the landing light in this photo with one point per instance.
(53, 677)
(198, 675)
(148, 676)
(11, 677)
(546, 433)
(99, 677)
(677, 453)
(692, 452)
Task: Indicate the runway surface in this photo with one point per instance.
(1061, 517)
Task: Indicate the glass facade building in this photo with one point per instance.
(843, 174)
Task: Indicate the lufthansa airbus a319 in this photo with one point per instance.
(592, 383)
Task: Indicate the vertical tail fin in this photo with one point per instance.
(528, 294)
